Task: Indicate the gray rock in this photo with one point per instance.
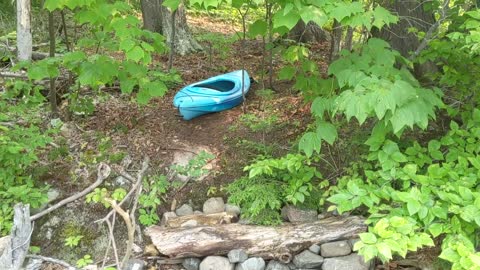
(335, 249)
(352, 261)
(134, 264)
(274, 265)
(352, 242)
(321, 216)
(214, 205)
(196, 212)
(184, 210)
(191, 263)
(120, 181)
(307, 259)
(314, 248)
(297, 215)
(166, 216)
(33, 264)
(232, 209)
(245, 221)
(251, 264)
(190, 223)
(237, 255)
(216, 263)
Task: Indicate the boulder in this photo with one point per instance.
(352, 261)
(190, 223)
(307, 259)
(298, 215)
(335, 249)
(213, 205)
(184, 210)
(216, 263)
(237, 256)
(251, 264)
(232, 209)
(314, 248)
(191, 263)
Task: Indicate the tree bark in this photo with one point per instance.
(24, 34)
(158, 18)
(280, 243)
(53, 89)
(308, 33)
(411, 14)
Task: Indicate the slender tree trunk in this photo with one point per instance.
(172, 42)
(53, 91)
(65, 31)
(348, 39)
(270, 44)
(24, 34)
(336, 41)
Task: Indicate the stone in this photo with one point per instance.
(196, 212)
(335, 249)
(237, 255)
(89, 267)
(120, 181)
(321, 216)
(352, 261)
(191, 263)
(214, 205)
(232, 209)
(274, 265)
(245, 221)
(166, 216)
(352, 242)
(251, 264)
(216, 263)
(134, 264)
(297, 215)
(184, 210)
(314, 248)
(307, 259)
(189, 223)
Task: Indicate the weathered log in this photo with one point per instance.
(279, 243)
(202, 219)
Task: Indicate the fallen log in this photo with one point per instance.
(201, 220)
(280, 243)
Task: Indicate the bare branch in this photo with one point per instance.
(52, 260)
(103, 173)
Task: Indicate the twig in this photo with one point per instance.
(130, 228)
(103, 173)
(52, 260)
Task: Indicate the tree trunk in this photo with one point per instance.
(308, 33)
(349, 39)
(411, 14)
(158, 18)
(24, 34)
(280, 243)
(53, 91)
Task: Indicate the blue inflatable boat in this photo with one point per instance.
(215, 94)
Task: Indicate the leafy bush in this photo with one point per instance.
(414, 194)
(21, 140)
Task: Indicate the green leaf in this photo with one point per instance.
(413, 207)
(287, 73)
(309, 142)
(435, 229)
(258, 28)
(135, 54)
(368, 238)
(384, 251)
(289, 20)
(171, 4)
(327, 132)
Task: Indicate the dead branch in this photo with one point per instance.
(130, 229)
(15, 247)
(103, 173)
(52, 260)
